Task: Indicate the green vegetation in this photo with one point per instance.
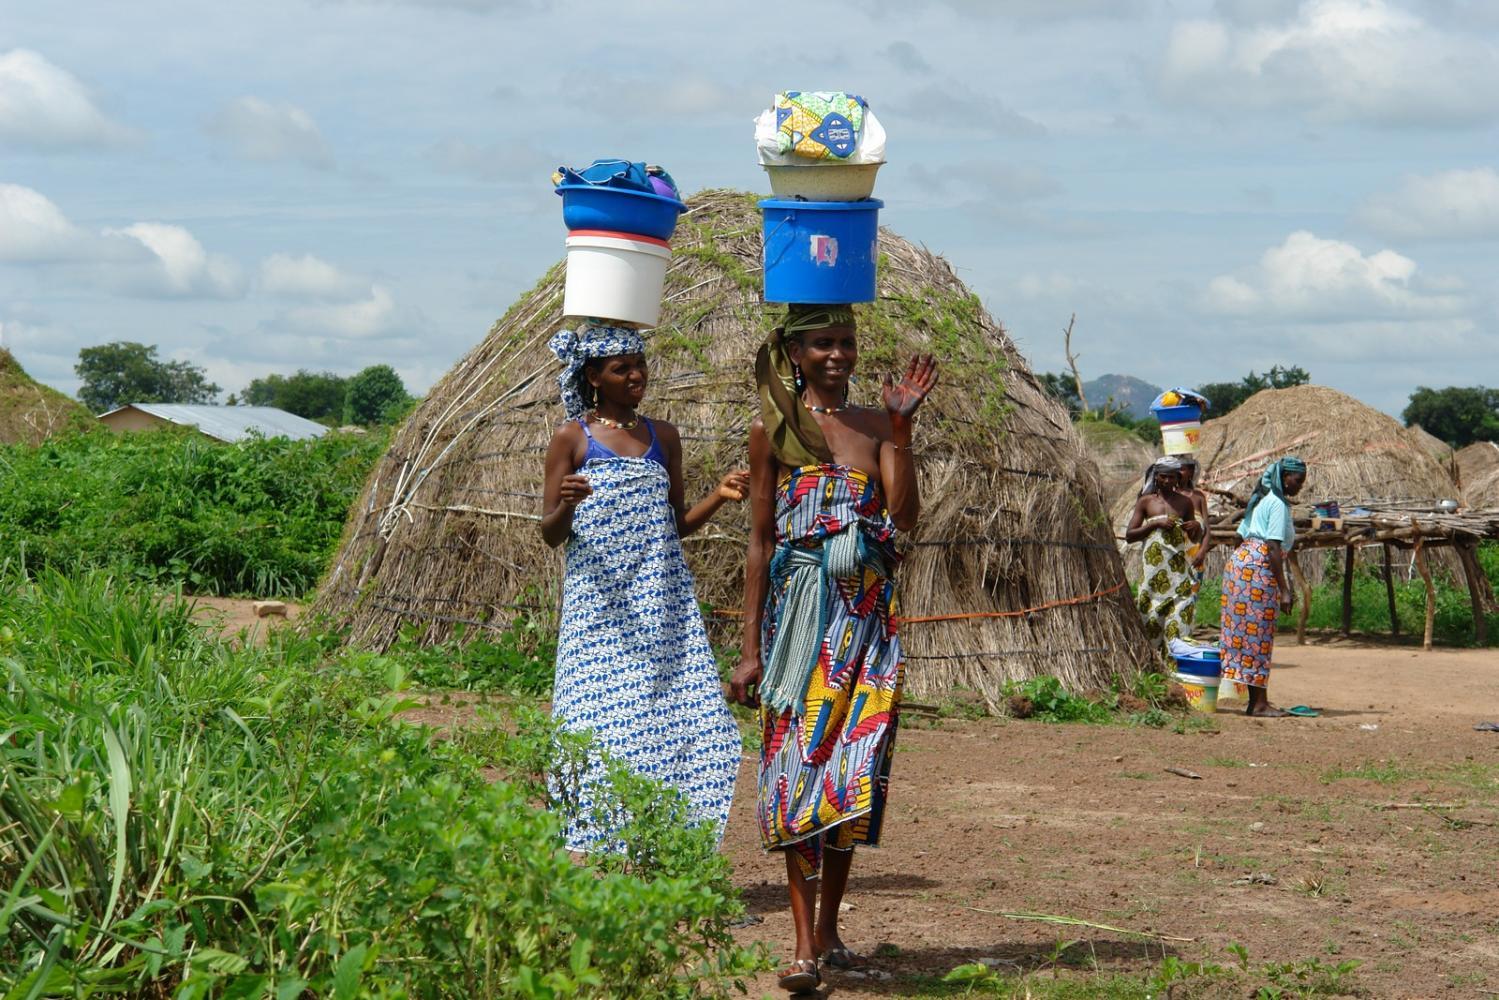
(314, 395)
(375, 395)
(258, 518)
(123, 372)
(195, 818)
(1070, 972)
(1456, 415)
(1453, 623)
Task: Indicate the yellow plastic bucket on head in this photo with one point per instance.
(1203, 697)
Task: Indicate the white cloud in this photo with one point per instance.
(33, 229)
(1334, 60)
(45, 107)
(1453, 204)
(1311, 278)
(178, 265)
(371, 318)
(306, 277)
(254, 129)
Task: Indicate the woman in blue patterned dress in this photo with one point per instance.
(830, 484)
(634, 666)
(1255, 590)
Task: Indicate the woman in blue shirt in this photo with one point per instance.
(1255, 590)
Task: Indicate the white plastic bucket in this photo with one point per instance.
(1181, 439)
(615, 276)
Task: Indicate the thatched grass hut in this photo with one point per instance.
(1355, 455)
(31, 412)
(1013, 554)
(1478, 471)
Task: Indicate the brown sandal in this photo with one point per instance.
(801, 976)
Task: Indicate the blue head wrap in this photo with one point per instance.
(576, 347)
(1272, 480)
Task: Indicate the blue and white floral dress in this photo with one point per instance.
(634, 664)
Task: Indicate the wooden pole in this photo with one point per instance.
(1389, 591)
(1431, 593)
(1471, 570)
(1298, 579)
(1347, 591)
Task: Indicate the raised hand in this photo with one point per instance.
(903, 397)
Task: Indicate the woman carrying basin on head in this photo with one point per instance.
(634, 665)
(1255, 588)
(830, 485)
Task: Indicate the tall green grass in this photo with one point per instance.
(172, 507)
(186, 818)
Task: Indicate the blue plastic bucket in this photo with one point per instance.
(1210, 665)
(1176, 414)
(821, 251)
(617, 210)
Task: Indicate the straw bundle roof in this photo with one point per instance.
(1354, 453)
(31, 412)
(445, 531)
(1478, 469)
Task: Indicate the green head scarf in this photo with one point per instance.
(1272, 480)
(794, 435)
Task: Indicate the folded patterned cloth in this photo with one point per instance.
(819, 126)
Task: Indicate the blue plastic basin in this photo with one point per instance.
(617, 210)
(821, 251)
(1210, 665)
(1176, 414)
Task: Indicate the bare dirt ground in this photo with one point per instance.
(1084, 821)
(1371, 833)
(231, 615)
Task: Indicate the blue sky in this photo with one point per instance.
(1210, 186)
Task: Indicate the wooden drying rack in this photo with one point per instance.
(1393, 524)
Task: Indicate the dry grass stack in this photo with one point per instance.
(1478, 470)
(445, 532)
(1354, 452)
(31, 412)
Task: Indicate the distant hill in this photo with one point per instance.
(31, 412)
(1131, 395)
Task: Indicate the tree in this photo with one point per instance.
(1226, 397)
(1062, 388)
(123, 372)
(314, 395)
(1456, 415)
(370, 393)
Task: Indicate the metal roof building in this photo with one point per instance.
(222, 423)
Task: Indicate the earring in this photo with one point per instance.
(796, 376)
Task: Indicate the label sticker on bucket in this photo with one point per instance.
(825, 251)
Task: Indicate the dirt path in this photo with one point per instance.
(1084, 821)
(231, 615)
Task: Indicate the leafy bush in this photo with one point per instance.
(188, 818)
(173, 507)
